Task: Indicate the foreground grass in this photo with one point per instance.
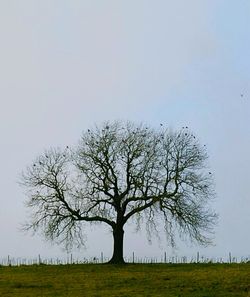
(196, 280)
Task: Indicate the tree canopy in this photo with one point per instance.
(121, 171)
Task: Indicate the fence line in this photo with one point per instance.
(39, 260)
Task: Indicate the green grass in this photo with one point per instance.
(144, 280)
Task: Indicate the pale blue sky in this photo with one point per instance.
(66, 65)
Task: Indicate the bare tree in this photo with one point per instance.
(118, 172)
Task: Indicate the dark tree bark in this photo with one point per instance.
(118, 236)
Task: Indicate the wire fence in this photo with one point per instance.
(70, 259)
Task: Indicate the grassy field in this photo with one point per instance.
(147, 280)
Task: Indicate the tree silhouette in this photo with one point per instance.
(119, 172)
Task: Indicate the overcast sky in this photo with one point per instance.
(65, 65)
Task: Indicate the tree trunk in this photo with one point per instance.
(118, 235)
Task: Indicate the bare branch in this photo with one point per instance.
(120, 171)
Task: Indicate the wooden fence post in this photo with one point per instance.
(198, 257)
